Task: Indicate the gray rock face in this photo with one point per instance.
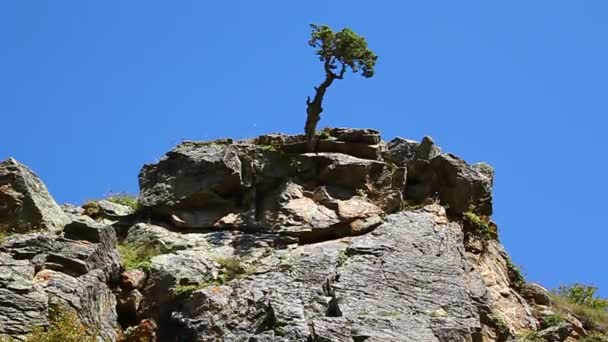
(383, 286)
(259, 188)
(25, 202)
(444, 177)
(38, 270)
(259, 240)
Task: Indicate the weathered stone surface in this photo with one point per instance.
(38, 270)
(536, 294)
(113, 210)
(462, 187)
(25, 202)
(400, 151)
(383, 286)
(261, 241)
(353, 135)
(505, 302)
(196, 175)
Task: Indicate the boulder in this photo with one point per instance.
(25, 203)
(536, 294)
(204, 176)
(462, 187)
(400, 151)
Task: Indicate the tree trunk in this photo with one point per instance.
(314, 109)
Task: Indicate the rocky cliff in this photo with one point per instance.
(258, 240)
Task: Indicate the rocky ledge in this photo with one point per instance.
(259, 240)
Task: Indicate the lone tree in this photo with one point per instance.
(338, 52)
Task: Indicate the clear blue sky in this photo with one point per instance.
(92, 90)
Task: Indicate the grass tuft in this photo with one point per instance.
(124, 199)
(138, 256)
(232, 268)
(65, 327)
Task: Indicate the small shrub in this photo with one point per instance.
(179, 290)
(584, 295)
(124, 199)
(92, 209)
(530, 336)
(499, 324)
(568, 299)
(3, 236)
(138, 256)
(65, 326)
(480, 226)
(517, 279)
(324, 134)
(551, 320)
(233, 268)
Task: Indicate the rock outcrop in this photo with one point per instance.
(260, 240)
(25, 203)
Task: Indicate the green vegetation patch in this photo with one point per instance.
(530, 336)
(232, 268)
(515, 275)
(594, 337)
(124, 199)
(552, 320)
(65, 326)
(480, 226)
(138, 256)
(581, 301)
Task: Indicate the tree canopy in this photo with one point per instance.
(342, 50)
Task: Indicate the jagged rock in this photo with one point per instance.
(132, 279)
(353, 135)
(259, 240)
(400, 151)
(556, 333)
(235, 186)
(382, 286)
(111, 210)
(462, 187)
(360, 143)
(505, 302)
(427, 149)
(210, 179)
(143, 234)
(25, 202)
(536, 294)
(38, 270)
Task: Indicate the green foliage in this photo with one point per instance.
(138, 256)
(124, 199)
(65, 326)
(324, 134)
(517, 279)
(180, 290)
(530, 336)
(480, 226)
(499, 324)
(584, 295)
(3, 236)
(594, 337)
(581, 301)
(551, 320)
(341, 50)
(92, 209)
(232, 268)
